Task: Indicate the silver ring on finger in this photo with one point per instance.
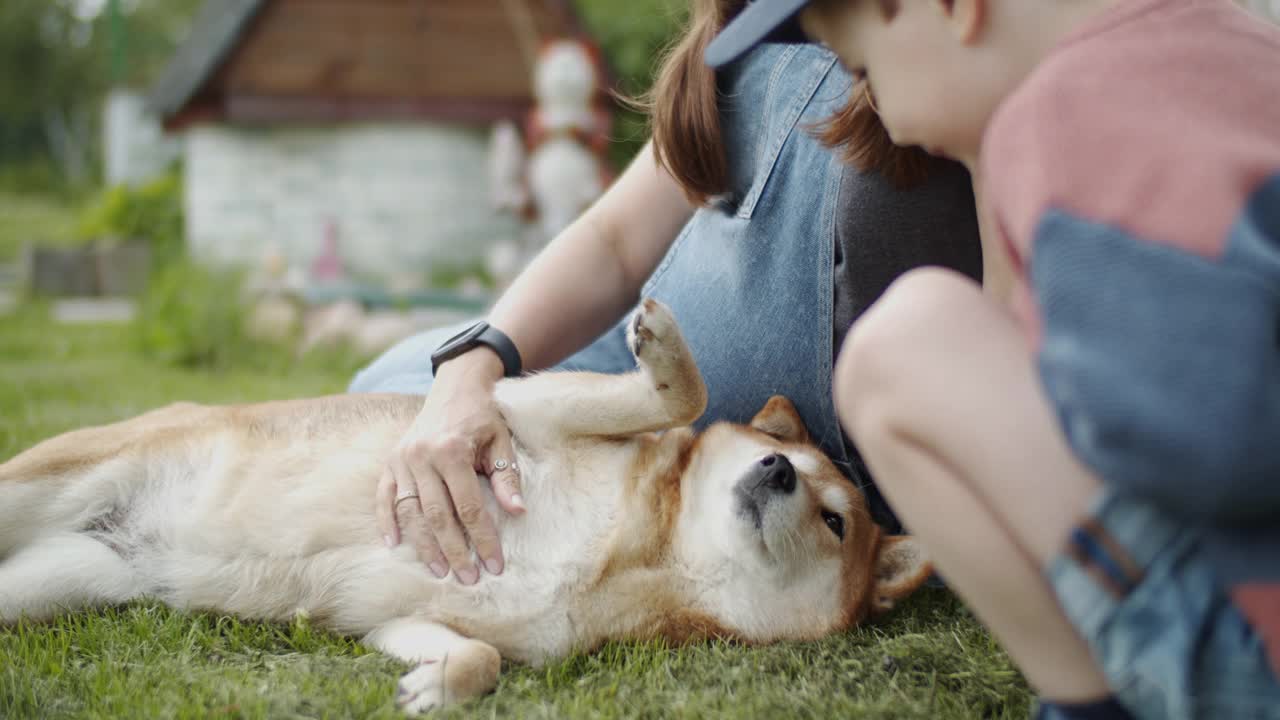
(500, 465)
(401, 497)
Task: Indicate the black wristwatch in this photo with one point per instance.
(482, 333)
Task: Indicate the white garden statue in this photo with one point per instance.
(560, 168)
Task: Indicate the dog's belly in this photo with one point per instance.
(226, 521)
(554, 552)
(271, 535)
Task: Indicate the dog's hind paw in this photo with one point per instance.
(422, 689)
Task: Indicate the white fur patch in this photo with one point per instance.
(807, 464)
(835, 499)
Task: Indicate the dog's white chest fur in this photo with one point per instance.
(552, 551)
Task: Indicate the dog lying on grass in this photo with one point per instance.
(637, 527)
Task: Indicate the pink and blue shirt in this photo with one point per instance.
(1135, 180)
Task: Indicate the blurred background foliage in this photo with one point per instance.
(150, 212)
(58, 61)
(633, 36)
(59, 58)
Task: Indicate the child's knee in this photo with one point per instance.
(925, 299)
(882, 351)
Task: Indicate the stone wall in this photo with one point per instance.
(402, 198)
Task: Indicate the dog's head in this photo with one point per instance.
(783, 541)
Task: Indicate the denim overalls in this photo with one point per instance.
(749, 278)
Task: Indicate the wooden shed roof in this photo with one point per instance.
(274, 61)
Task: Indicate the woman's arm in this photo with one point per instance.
(590, 275)
(578, 287)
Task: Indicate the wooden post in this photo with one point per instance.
(119, 44)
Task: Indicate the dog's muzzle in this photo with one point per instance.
(772, 477)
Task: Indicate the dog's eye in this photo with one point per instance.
(835, 522)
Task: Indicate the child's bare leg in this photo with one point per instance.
(938, 388)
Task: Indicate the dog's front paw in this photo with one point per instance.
(661, 352)
(652, 333)
(422, 689)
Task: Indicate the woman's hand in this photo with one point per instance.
(433, 470)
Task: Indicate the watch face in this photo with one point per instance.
(466, 336)
(458, 344)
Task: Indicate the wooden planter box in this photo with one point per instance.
(59, 272)
(112, 270)
(122, 269)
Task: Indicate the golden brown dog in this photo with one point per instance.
(636, 527)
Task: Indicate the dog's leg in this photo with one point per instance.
(60, 496)
(55, 492)
(61, 572)
(451, 668)
(665, 391)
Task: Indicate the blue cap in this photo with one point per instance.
(760, 21)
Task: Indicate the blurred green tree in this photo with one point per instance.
(152, 29)
(47, 84)
(633, 36)
(55, 69)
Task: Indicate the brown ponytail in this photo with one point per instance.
(683, 108)
(685, 117)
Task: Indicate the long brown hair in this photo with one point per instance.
(685, 117)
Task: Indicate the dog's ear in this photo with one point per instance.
(901, 567)
(779, 419)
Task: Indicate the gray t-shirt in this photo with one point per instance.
(881, 233)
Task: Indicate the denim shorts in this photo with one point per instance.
(1137, 586)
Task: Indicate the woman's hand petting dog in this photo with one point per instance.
(433, 471)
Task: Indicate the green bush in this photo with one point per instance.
(196, 317)
(151, 212)
(192, 316)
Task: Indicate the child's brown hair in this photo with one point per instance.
(685, 116)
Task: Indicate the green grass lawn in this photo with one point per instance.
(36, 220)
(928, 659)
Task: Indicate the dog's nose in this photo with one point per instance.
(779, 474)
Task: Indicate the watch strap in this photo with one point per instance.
(496, 340)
